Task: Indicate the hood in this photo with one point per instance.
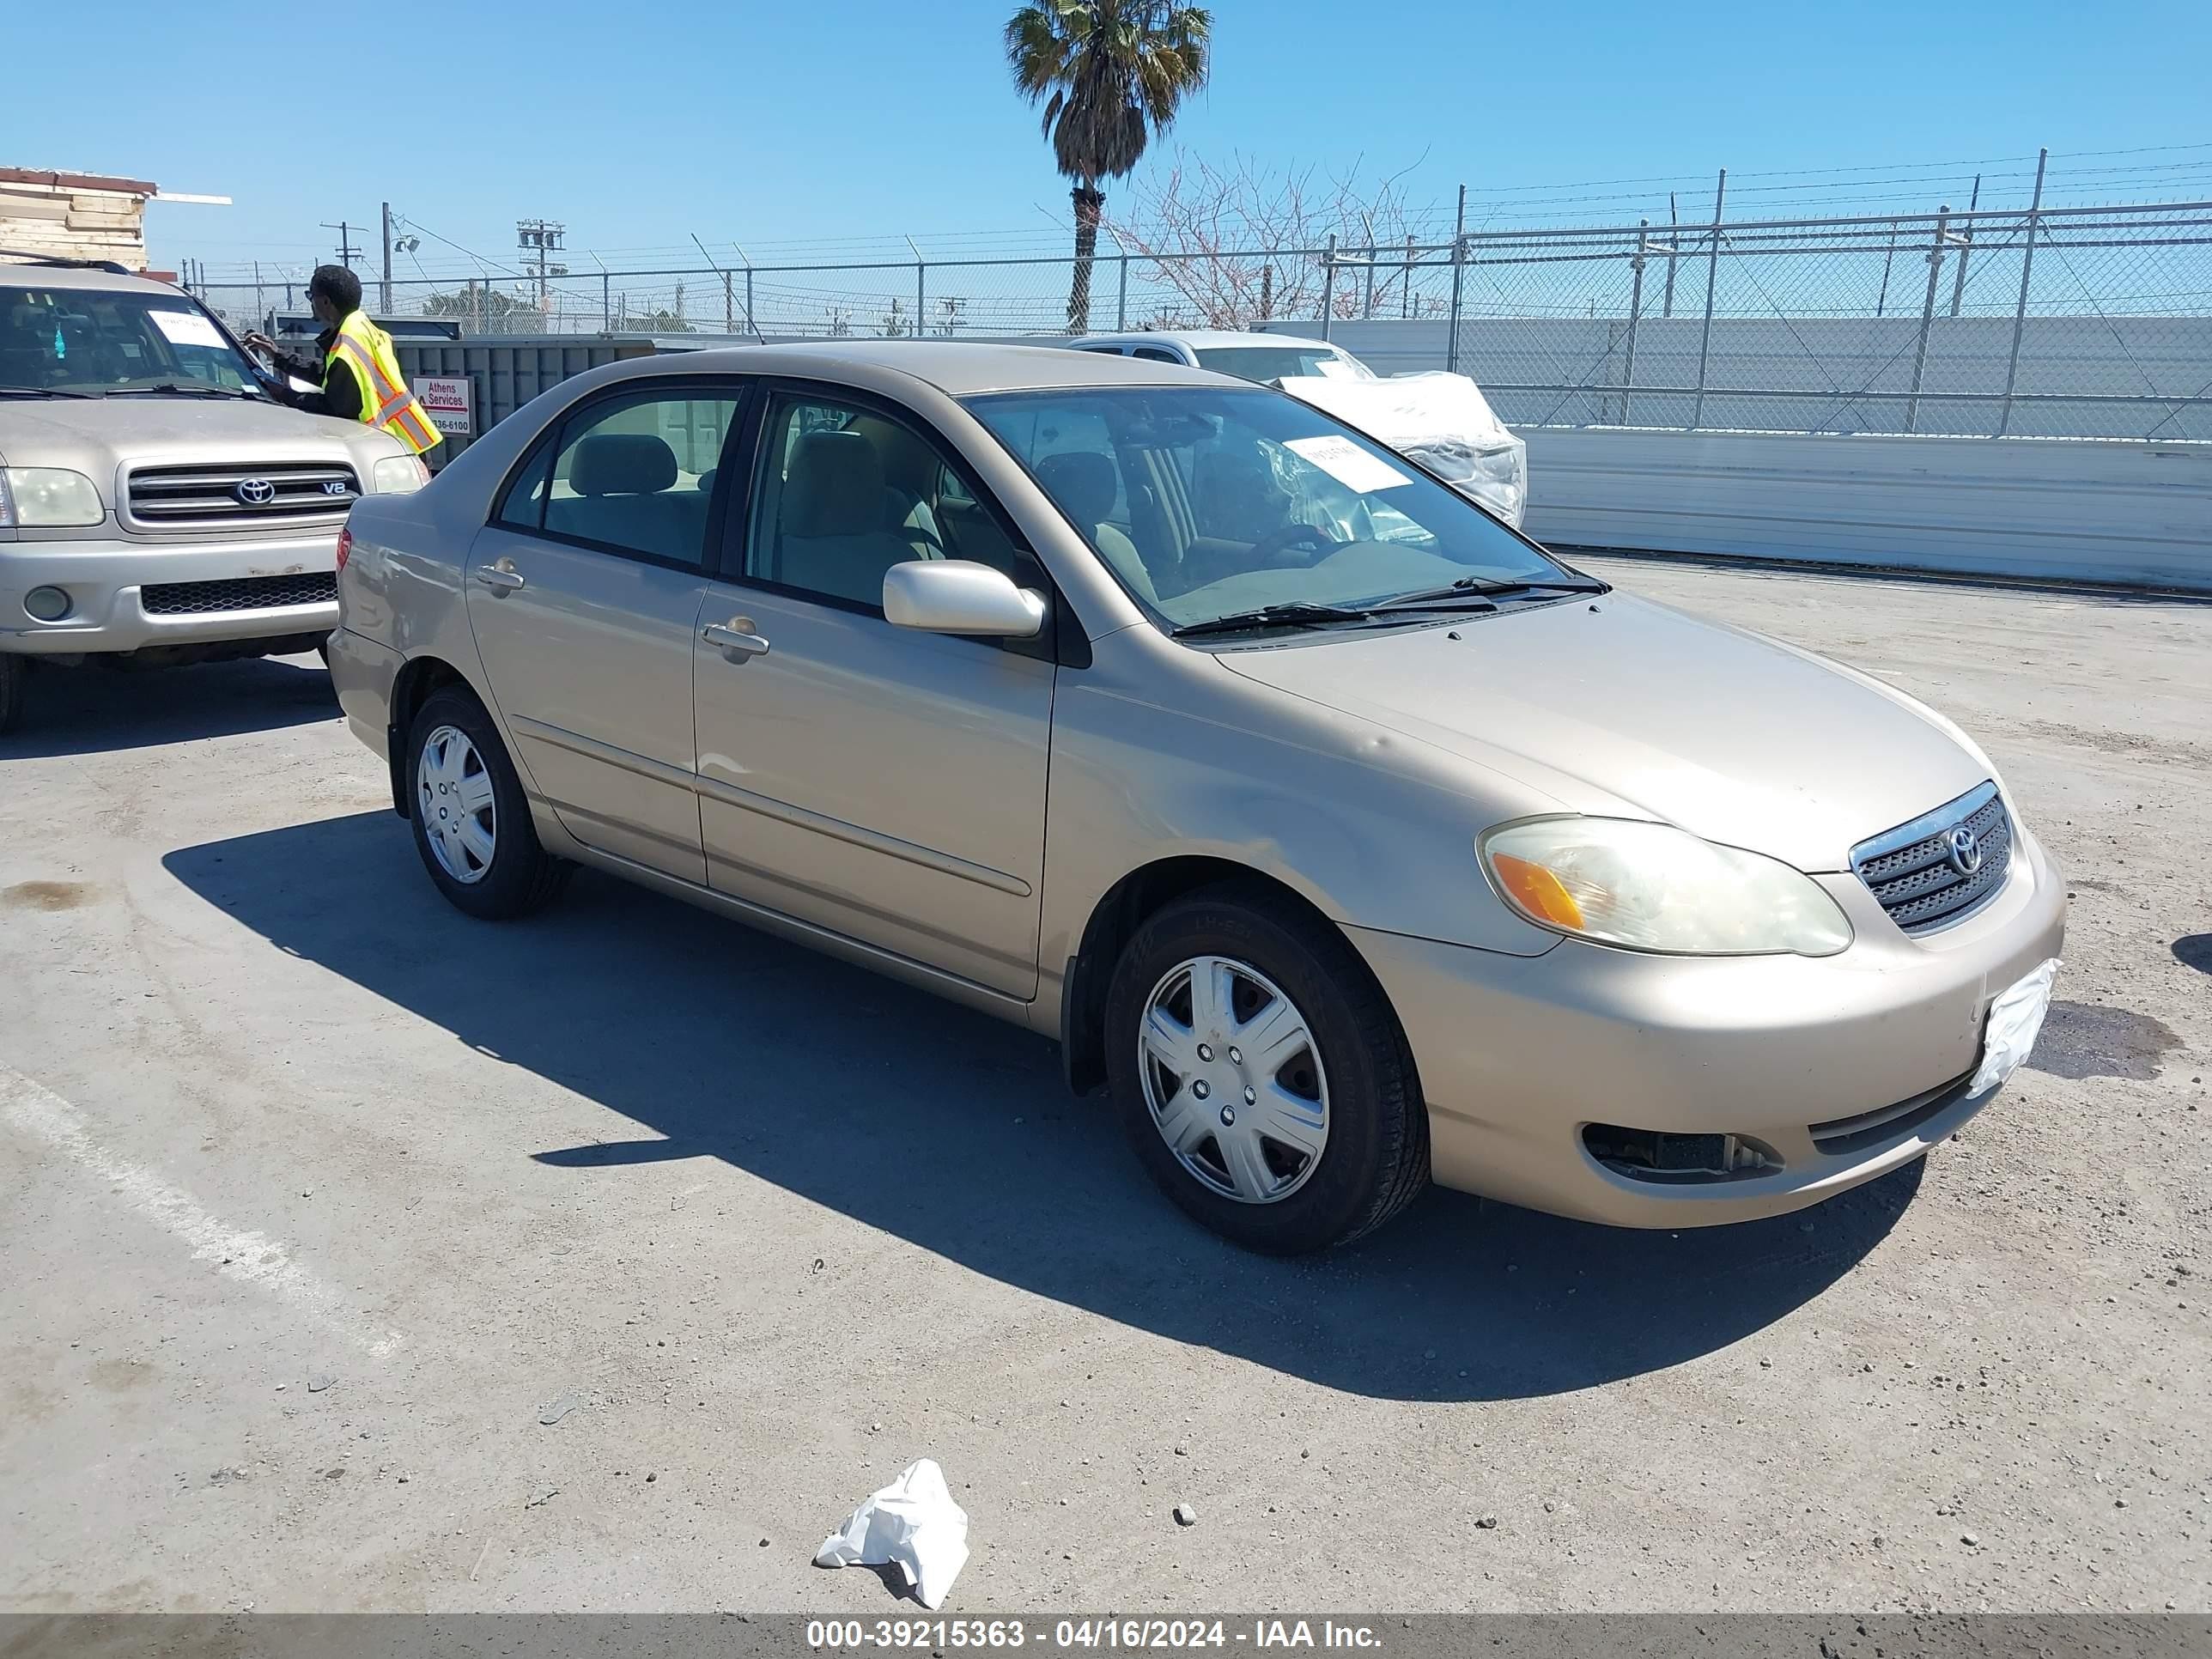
(1622, 708)
(1405, 409)
(98, 436)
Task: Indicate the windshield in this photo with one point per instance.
(1271, 362)
(94, 341)
(1208, 503)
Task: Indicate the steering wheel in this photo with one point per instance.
(1270, 549)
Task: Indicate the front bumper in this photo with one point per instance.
(105, 578)
(1517, 1055)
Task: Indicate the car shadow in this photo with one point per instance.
(94, 709)
(954, 1131)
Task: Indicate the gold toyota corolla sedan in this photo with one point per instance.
(1351, 839)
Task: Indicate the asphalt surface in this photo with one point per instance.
(318, 1200)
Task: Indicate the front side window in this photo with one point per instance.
(1208, 502)
(93, 341)
(636, 474)
(845, 492)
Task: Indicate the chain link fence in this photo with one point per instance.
(2040, 322)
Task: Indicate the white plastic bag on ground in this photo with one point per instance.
(2016, 1019)
(912, 1524)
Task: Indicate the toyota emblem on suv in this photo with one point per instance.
(255, 492)
(1966, 850)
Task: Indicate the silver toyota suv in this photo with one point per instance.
(156, 504)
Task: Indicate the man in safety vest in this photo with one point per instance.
(359, 373)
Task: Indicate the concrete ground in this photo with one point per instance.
(360, 1255)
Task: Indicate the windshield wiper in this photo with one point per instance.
(185, 390)
(40, 392)
(1477, 587)
(1296, 614)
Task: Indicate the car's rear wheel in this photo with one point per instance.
(1260, 1075)
(473, 824)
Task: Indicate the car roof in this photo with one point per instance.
(959, 369)
(1206, 337)
(34, 273)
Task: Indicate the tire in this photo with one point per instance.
(502, 871)
(14, 675)
(1352, 1081)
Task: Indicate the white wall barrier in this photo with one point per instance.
(2132, 515)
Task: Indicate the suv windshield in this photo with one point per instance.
(1210, 503)
(1265, 363)
(94, 341)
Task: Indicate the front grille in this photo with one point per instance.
(297, 492)
(1924, 876)
(247, 593)
(1863, 1130)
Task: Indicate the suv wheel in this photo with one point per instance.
(15, 671)
(471, 823)
(1260, 1075)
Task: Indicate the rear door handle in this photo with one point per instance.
(501, 578)
(736, 638)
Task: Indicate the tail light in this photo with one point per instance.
(345, 549)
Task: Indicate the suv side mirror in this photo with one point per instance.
(959, 596)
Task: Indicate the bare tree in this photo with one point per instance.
(1240, 242)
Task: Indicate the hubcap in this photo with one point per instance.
(1217, 1031)
(453, 799)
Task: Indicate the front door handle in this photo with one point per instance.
(735, 637)
(501, 578)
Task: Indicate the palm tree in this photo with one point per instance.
(1110, 73)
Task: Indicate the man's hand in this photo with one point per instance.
(261, 342)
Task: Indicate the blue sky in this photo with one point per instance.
(788, 125)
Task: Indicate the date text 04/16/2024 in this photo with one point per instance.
(1066, 1634)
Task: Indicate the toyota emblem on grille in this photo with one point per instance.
(1966, 850)
(255, 492)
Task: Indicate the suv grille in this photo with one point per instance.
(280, 492)
(1943, 865)
(247, 593)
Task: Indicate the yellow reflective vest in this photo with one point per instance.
(366, 350)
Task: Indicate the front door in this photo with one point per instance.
(584, 596)
(886, 784)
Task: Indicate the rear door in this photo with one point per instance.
(584, 596)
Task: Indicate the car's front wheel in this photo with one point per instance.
(1260, 1075)
(472, 822)
(14, 671)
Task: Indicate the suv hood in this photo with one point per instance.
(98, 435)
(1627, 708)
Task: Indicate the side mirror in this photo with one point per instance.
(959, 596)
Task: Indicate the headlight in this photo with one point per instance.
(1495, 475)
(35, 497)
(395, 474)
(1653, 887)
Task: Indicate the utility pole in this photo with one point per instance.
(384, 293)
(345, 242)
(539, 239)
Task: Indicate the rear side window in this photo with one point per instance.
(523, 506)
(636, 474)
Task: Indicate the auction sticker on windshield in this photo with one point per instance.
(185, 328)
(1347, 462)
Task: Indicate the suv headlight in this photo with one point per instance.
(1652, 887)
(47, 497)
(395, 474)
(1494, 474)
